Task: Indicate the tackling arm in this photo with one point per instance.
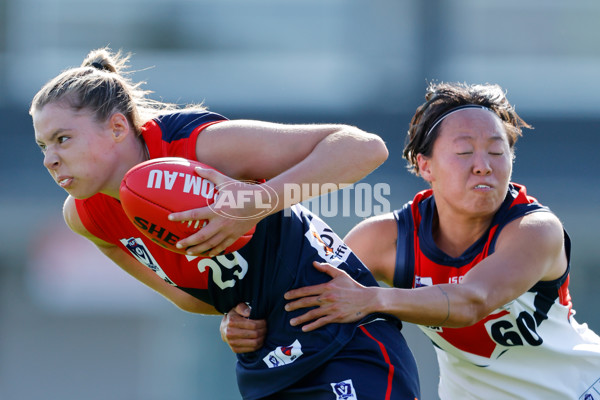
(528, 250)
(299, 161)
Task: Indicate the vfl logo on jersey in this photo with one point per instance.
(283, 355)
(329, 245)
(593, 393)
(139, 250)
(344, 390)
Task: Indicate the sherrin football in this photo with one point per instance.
(152, 190)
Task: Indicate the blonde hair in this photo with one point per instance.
(102, 84)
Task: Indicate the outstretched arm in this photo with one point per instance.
(528, 250)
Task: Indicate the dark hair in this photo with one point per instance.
(443, 97)
(102, 85)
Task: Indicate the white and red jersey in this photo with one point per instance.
(530, 348)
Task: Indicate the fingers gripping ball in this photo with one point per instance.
(152, 190)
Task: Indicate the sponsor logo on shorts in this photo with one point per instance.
(283, 355)
(344, 390)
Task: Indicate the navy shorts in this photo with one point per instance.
(375, 365)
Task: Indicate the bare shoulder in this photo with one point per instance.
(538, 238)
(379, 225)
(373, 240)
(72, 217)
(545, 226)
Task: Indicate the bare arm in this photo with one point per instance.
(133, 267)
(529, 250)
(291, 153)
(373, 240)
(322, 157)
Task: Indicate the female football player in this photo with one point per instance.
(481, 266)
(93, 124)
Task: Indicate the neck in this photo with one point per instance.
(454, 235)
(132, 155)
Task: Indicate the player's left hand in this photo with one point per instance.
(242, 334)
(227, 220)
(340, 300)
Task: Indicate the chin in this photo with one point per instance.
(78, 195)
(486, 209)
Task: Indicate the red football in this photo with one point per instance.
(152, 190)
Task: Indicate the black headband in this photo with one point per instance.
(452, 111)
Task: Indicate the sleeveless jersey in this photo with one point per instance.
(278, 258)
(530, 348)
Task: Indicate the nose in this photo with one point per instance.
(51, 159)
(482, 165)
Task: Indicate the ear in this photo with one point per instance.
(424, 164)
(120, 127)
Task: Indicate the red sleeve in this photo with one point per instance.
(176, 134)
(100, 204)
(191, 145)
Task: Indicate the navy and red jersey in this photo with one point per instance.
(529, 348)
(422, 257)
(278, 258)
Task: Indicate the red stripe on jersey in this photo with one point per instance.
(522, 197)
(565, 297)
(473, 339)
(386, 357)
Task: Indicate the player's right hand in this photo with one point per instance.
(225, 222)
(242, 334)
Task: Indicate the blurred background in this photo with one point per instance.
(73, 326)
